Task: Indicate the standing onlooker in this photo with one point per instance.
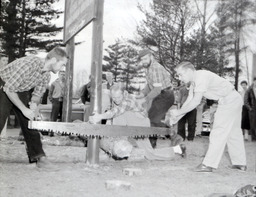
(158, 94)
(56, 94)
(189, 118)
(3, 62)
(22, 84)
(86, 93)
(250, 103)
(245, 125)
(227, 119)
(109, 81)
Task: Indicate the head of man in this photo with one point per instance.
(109, 77)
(62, 75)
(185, 71)
(145, 58)
(56, 59)
(117, 94)
(254, 81)
(3, 60)
(244, 84)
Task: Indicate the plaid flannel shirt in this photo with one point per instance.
(156, 74)
(24, 74)
(129, 103)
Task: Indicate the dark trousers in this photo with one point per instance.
(189, 118)
(253, 124)
(32, 137)
(56, 109)
(158, 109)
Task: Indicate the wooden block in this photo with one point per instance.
(132, 171)
(117, 184)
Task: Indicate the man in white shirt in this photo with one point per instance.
(227, 122)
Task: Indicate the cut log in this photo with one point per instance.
(117, 147)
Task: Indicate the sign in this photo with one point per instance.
(78, 14)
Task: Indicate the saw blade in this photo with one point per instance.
(97, 130)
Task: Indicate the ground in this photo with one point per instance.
(73, 177)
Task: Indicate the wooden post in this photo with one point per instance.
(67, 102)
(96, 78)
(253, 66)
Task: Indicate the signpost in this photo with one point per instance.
(78, 14)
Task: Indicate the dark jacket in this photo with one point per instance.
(250, 99)
(85, 94)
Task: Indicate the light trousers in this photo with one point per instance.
(227, 131)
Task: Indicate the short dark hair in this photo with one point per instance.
(58, 52)
(117, 87)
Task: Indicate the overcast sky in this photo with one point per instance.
(120, 20)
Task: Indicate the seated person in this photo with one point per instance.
(127, 111)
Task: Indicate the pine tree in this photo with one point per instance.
(27, 26)
(236, 15)
(121, 60)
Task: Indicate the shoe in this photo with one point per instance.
(44, 163)
(176, 139)
(184, 151)
(239, 167)
(203, 168)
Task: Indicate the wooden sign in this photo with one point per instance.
(78, 14)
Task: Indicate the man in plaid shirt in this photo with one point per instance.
(158, 94)
(22, 84)
(127, 111)
(124, 107)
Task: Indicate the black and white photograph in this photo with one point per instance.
(120, 98)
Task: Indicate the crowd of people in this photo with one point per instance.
(24, 81)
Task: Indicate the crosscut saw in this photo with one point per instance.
(97, 130)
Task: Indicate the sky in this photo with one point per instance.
(121, 18)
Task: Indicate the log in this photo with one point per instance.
(119, 148)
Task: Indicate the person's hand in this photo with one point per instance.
(36, 99)
(32, 106)
(141, 101)
(30, 114)
(174, 113)
(171, 117)
(140, 96)
(94, 119)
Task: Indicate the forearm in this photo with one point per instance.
(107, 115)
(188, 107)
(13, 96)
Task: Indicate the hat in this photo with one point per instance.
(143, 53)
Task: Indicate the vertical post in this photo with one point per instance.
(67, 102)
(96, 78)
(253, 66)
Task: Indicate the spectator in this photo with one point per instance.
(3, 62)
(245, 125)
(56, 94)
(85, 93)
(189, 118)
(250, 103)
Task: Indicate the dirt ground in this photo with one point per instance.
(72, 177)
